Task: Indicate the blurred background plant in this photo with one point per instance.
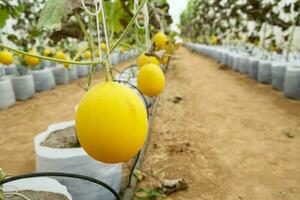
(233, 21)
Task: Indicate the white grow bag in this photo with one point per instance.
(43, 80)
(278, 73)
(23, 87)
(7, 95)
(73, 74)
(76, 160)
(2, 71)
(11, 69)
(292, 82)
(82, 71)
(264, 73)
(253, 67)
(243, 64)
(41, 184)
(61, 75)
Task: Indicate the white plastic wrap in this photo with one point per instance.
(230, 60)
(43, 80)
(82, 71)
(23, 70)
(7, 95)
(73, 75)
(2, 71)
(278, 73)
(44, 64)
(114, 58)
(76, 160)
(11, 69)
(224, 57)
(41, 184)
(292, 82)
(61, 75)
(264, 73)
(98, 67)
(243, 64)
(23, 87)
(253, 67)
(235, 63)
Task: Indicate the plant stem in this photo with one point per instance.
(79, 53)
(82, 63)
(108, 75)
(49, 58)
(91, 44)
(2, 176)
(291, 38)
(128, 26)
(264, 35)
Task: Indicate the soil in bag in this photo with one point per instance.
(64, 138)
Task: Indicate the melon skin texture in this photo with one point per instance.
(60, 55)
(151, 80)
(144, 59)
(6, 58)
(160, 40)
(30, 60)
(87, 55)
(111, 123)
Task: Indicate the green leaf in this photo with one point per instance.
(147, 194)
(52, 14)
(115, 14)
(2, 176)
(3, 17)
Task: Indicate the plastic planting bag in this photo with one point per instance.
(253, 67)
(278, 73)
(61, 75)
(76, 160)
(41, 184)
(264, 74)
(43, 80)
(7, 95)
(23, 87)
(292, 82)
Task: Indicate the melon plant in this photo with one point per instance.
(111, 120)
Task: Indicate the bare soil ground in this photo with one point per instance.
(229, 138)
(20, 123)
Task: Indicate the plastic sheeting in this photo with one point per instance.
(37, 184)
(76, 160)
(278, 73)
(253, 67)
(43, 80)
(7, 95)
(82, 71)
(23, 87)
(236, 62)
(11, 69)
(243, 64)
(61, 75)
(2, 71)
(73, 75)
(292, 82)
(264, 73)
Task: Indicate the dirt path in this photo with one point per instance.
(20, 123)
(227, 137)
